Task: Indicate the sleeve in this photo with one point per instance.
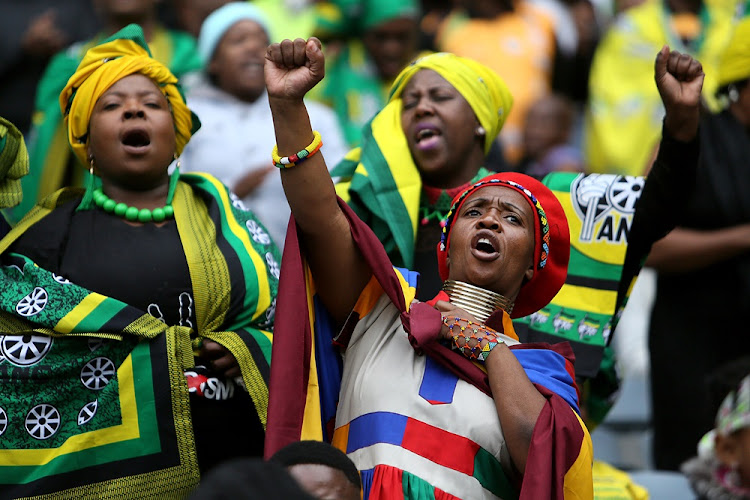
(670, 182)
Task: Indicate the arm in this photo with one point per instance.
(679, 79)
(340, 272)
(518, 403)
(685, 250)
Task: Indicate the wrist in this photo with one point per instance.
(474, 340)
(682, 126)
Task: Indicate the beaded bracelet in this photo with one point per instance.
(462, 336)
(291, 161)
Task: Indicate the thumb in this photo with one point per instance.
(314, 53)
(660, 65)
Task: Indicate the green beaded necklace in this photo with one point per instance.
(134, 214)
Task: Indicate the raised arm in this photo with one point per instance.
(292, 68)
(679, 79)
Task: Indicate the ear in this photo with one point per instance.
(529, 273)
(213, 66)
(727, 450)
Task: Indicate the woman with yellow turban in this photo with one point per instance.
(136, 313)
(419, 151)
(706, 261)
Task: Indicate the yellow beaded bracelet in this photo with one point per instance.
(291, 161)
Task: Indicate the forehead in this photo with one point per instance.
(426, 79)
(246, 27)
(500, 194)
(133, 84)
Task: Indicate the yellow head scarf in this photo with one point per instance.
(734, 64)
(483, 89)
(121, 55)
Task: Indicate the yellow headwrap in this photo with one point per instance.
(381, 173)
(123, 54)
(483, 89)
(734, 64)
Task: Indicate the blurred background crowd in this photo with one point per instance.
(581, 75)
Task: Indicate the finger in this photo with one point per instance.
(233, 372)
(300, 56)
(224, 363)
(683, 64)
(287, 54)
(273, 53)
(212, 350)
(444, 306)
(314, 53)
(695, 70)
(660, 65)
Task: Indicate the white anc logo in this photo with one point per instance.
(606, 204)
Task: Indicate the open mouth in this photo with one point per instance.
(485, 245)
(136, 139)
(425, 134)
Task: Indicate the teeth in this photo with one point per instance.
(423, 134)
(484, 240)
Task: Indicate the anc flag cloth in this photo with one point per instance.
(624, 113)
(52, 166)
(415, 417)
(94, 402)
(613, 220)
(600, 210)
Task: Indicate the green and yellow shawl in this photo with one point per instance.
(49, 152)
(379, 179)
(94, 401)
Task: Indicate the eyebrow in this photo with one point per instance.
(485, 201)
(140, 93)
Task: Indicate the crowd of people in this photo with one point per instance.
(464, 194)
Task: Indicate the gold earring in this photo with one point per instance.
(177, 159)
(91, 165)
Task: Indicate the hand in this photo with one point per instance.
(679, 79)
(293, 68)
(447, 309)
(220, 358)
(43, 38)
(251, 180)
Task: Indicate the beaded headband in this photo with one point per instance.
(543, 223)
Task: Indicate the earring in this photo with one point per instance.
(91, 164)
(734, 94)
(480, 131)
(177, 159)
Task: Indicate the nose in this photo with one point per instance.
(488, 220)
(133, 109)
(424, 107)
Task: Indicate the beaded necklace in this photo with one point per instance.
(135, 214)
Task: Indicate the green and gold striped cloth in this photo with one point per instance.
(94, 401)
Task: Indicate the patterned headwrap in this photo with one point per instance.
(483, 89)
(733, 415)
(551, 239)
(734, 64)
(121, 55)
(14, 164)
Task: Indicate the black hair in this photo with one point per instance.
(723, 91)
(248, 479)
(318, 452)
(725, 379)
